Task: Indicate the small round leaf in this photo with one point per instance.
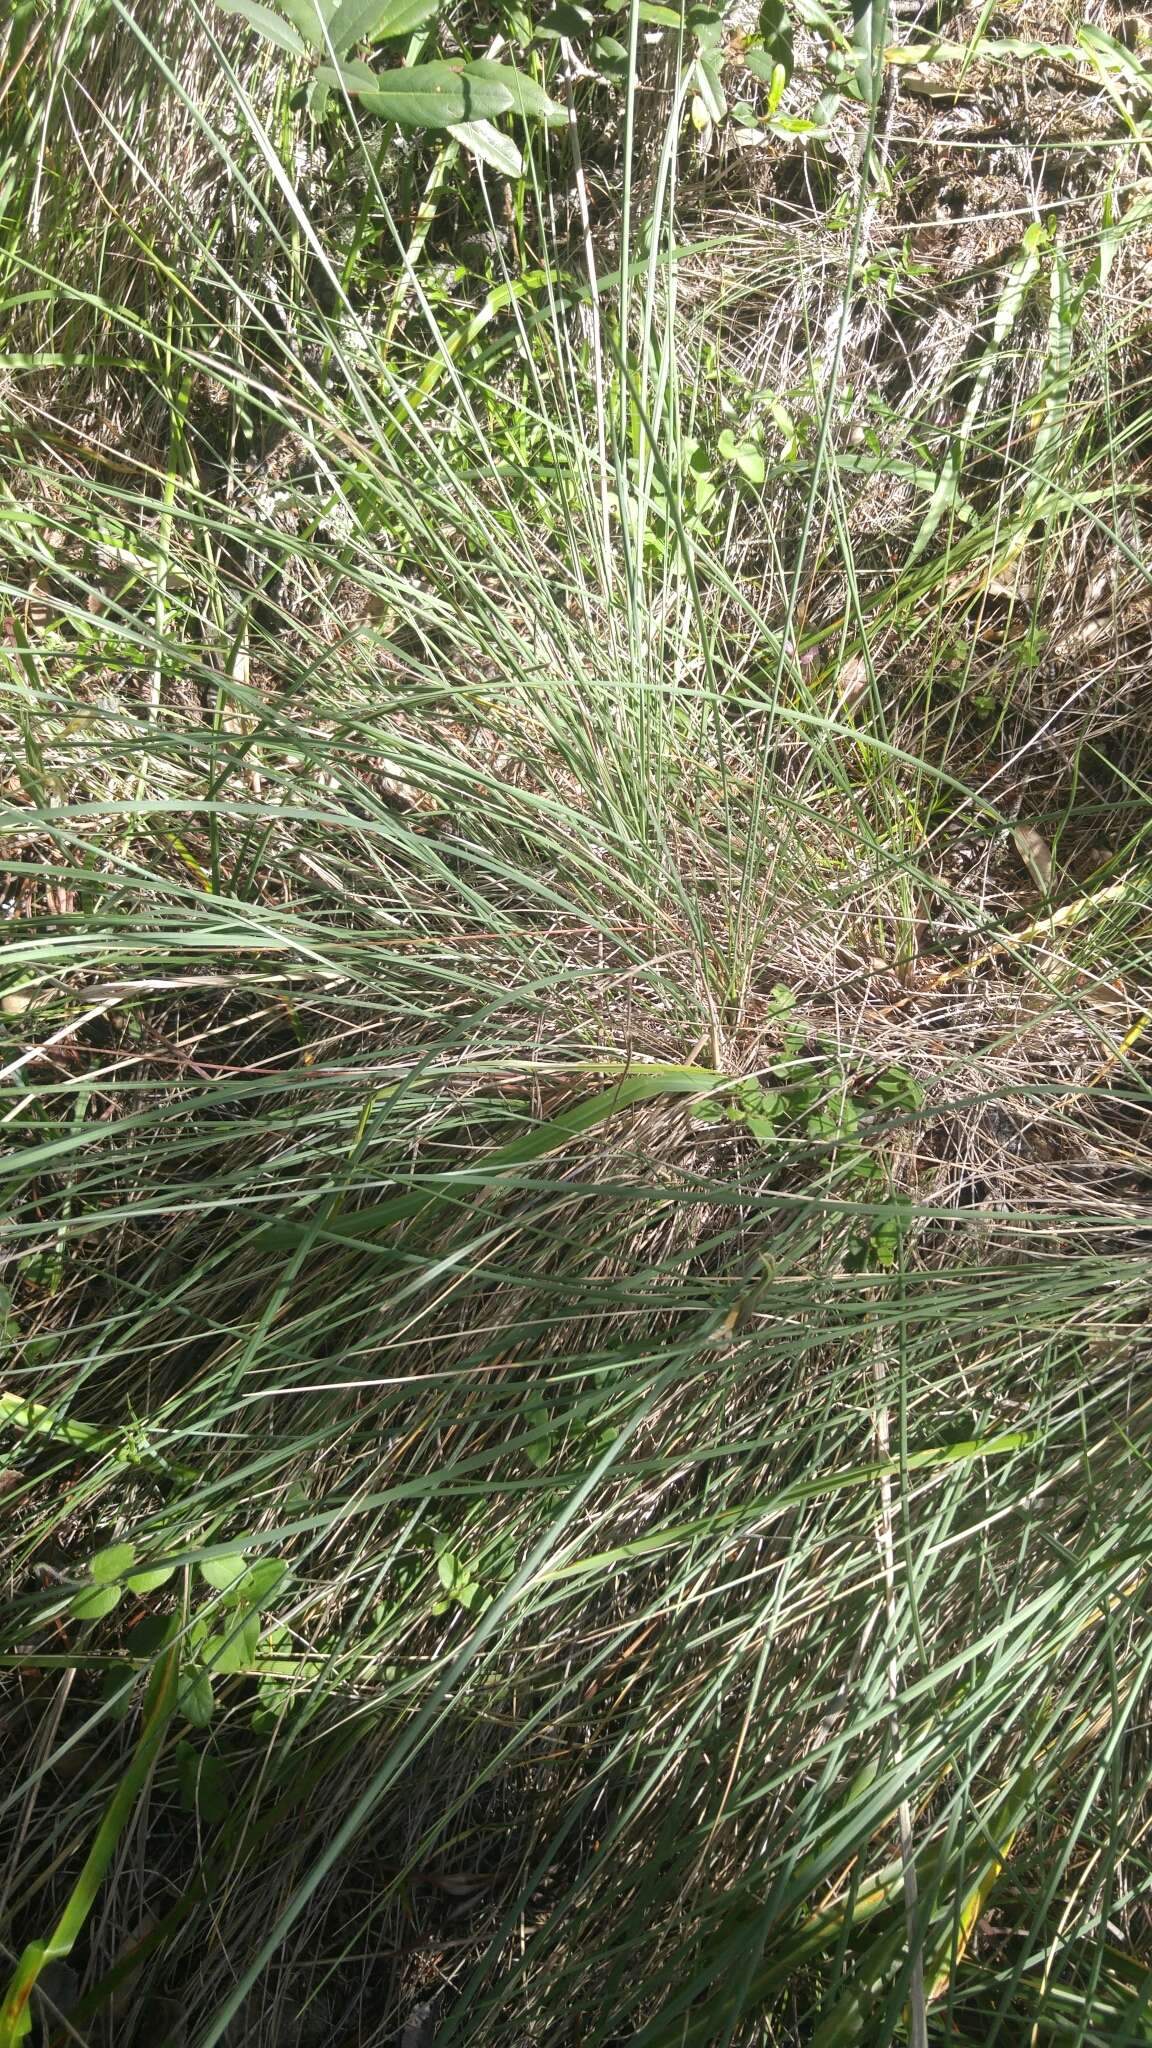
(94, 1602)
(150, 1580)
(223, 1573)
(263, 1581)
(109, 1565)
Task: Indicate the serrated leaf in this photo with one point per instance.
(268, 24)
(94, 1602)
(196, 1700)
(377, 21)
(111, 1564)
(528, 99)
(485, 142)
(151, 1580)
(434, 96)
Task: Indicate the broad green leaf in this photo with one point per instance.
(197, 1634)
(762, 1129)
(223, 1573)
(350, 76)
(206, 1786)
(484, 141)
(884, 1243)
(660, 17)
(377, 21)
(196, 1699)
(776, 31)
(707, 25)
(150, 1580)
(611, 56)
(567, 20)
(234, 1649)
(709, 88)
(869, 65)
(94, 1602)
(261, 1582)
(111, 1564)
(1114, 54)
(150, 1634)
(308, 18)
(898, 1088)
(539, 1447)
(813, 15)
(528, 99)
(435, 96)
(446, 1569)
(268, 24)
(116, 1690)
(744, 454)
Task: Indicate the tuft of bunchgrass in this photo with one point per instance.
(498, 1517)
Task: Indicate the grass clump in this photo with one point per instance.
(574, 1033)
